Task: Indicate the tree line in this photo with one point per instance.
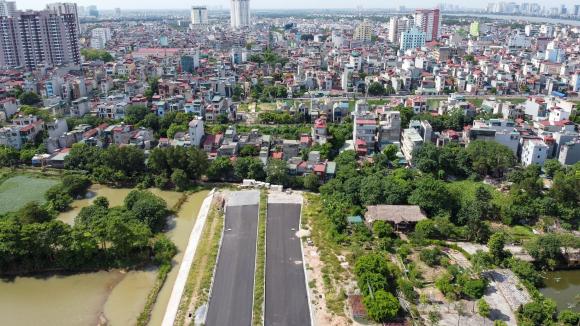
(102, 237)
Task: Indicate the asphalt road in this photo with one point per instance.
(233, 288)
(286, 297)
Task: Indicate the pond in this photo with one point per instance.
(113, 297)
(564, 288)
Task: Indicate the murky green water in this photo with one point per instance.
(564, 288)
(86, 299)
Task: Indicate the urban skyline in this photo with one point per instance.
(264, 4)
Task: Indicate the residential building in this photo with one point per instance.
(412, 39)
(363, 32)
(319, 131)
(428, 21)
(7, 8)
(100, 37)
(389, 129)
(199, 16)
(534, 151)
(196, 132)
(240, 13)
(66, 8)
(365, 129)
(570, 153)
(33, 38)
(410, 141)
(398, 25)
(498, 130)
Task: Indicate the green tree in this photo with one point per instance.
(376, 89)
(372, 263)
(382, 229)
(174, 129)
(569, 318)
(163, 249)
(136, 113)
(148, 208)
(431, 195)
(249, 150)
(249, 168)
(382, 306)
(220, 169)
(101, 202)
(496, 244)
(179, 179)
(538, 312)
(29, 98)
(474, 288)
(491, 158)
(8, 156)
(311, 182)
(34, 213)
(552, 167)
(371, 282)
(277, 172)
(546, 250)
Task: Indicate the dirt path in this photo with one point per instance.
(321, 314)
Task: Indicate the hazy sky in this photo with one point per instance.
(267, 4)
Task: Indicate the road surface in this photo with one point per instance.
(286, 300)
(233, 287)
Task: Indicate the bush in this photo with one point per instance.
(163, 250)
(382, 307)
(474, 288)
(382, 229)
(407, 288)
(525, 271)
(431, 257)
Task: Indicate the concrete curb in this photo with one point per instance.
(185, 267)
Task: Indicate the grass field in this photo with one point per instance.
(18, 191)
(466, 191)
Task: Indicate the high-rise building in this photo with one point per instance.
(33, 38)
(199, 15)
(363, 32)
(412, 39)
(576, 10)
(474, 29)
(7, 8)
(62, 8)
(428, 20)
(100, 37)
(240, 13)
(398, 25)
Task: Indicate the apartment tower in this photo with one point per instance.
(33, 38)
(429, 21)
(240, 13)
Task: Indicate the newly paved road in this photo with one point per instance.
(233, 288)
(286, 297)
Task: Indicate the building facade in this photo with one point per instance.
(428, 21)
(240, 13)
(33, 38)
(7, 8)
(199, 16)
(412, 39)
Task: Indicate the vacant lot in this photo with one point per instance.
(20, 190)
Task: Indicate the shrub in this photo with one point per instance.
(431, 257)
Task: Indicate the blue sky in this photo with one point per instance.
(268, 4)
